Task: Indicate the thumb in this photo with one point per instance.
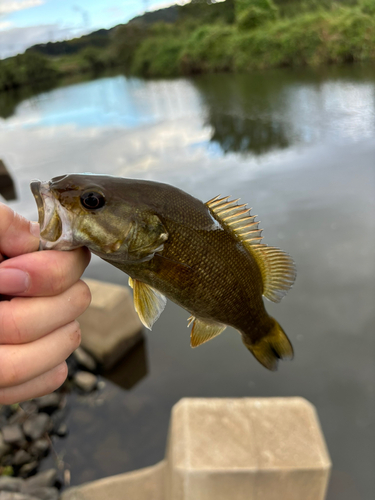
(17, 234)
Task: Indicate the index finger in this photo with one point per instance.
(17, 234)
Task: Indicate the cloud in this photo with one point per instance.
(5, 25)
(16, 40)
(8, 6)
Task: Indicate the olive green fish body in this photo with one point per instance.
(206, 257)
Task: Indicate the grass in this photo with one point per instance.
(243, 36)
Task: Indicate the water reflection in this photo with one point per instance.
(131, 369)
(274, 110)
(301, 151)
(240, 134)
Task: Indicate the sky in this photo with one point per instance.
(26, 22)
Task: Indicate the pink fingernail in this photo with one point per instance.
(13, 281)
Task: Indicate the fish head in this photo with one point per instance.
(83, 210)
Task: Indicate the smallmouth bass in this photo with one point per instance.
(206, 257)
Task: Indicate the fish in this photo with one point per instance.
(206, 257)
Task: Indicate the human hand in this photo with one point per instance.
(43, 297)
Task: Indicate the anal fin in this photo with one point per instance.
(203, 331)
(148, 302)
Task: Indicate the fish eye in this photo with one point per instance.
(92, 200)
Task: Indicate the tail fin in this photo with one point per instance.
(273, 346)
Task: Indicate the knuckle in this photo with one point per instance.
(75, 334)
(83, 296)
(10, 323)
(9, 375)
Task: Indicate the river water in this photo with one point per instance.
(299, 147)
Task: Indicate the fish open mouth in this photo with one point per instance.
(55, 227)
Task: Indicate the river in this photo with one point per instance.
(299, 147)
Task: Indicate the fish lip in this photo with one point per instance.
(48, 206)
(35, 189)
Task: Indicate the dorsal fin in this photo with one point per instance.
(277, 267)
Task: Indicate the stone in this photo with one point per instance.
(39, 448)
(58, 418)
(21, 457)
(62, 431)
(85, 381)
(8, 483)
(28, 469)
(29, 407)
(237, 449)
(43, 493)
(45, 479)
(72, 366)
(12, 434)
(85, 359)
(50, 402)
(37, 425)
(110, 327)
(7, 188)
(4, 447)
(7, 495)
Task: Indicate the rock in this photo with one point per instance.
(8, 483)
(18, 417)
(4, 447)
(21, 457)
(50, 402)
(12, 434)
(62, 431)
(28, 469)
(43, 493)
(72, 366)
(58, 418)
(85, 381)
(29, 407)
(85, 359)
(39, 448)
(6, 411)
(37, 425)
(45, 479)
(7, 495)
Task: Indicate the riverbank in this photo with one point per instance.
(232, 36)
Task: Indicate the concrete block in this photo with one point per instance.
(237, 449)
(110, 326)
(255, 449)
(145, 484)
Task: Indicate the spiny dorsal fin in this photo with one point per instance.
(148, 302)
(277, 267)
(203, 332)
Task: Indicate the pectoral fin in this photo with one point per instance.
(148, 302)
(203, 332)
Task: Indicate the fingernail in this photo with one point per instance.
(34, 229)
(13, 281)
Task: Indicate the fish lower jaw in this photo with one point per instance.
(55, 224)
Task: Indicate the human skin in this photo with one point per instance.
(41, 295)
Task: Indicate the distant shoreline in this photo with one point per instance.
(237, 36)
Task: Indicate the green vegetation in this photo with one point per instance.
(233, 36)
(28, 68)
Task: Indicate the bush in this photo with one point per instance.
(158, 56)
(208, 49)
(25, 69)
